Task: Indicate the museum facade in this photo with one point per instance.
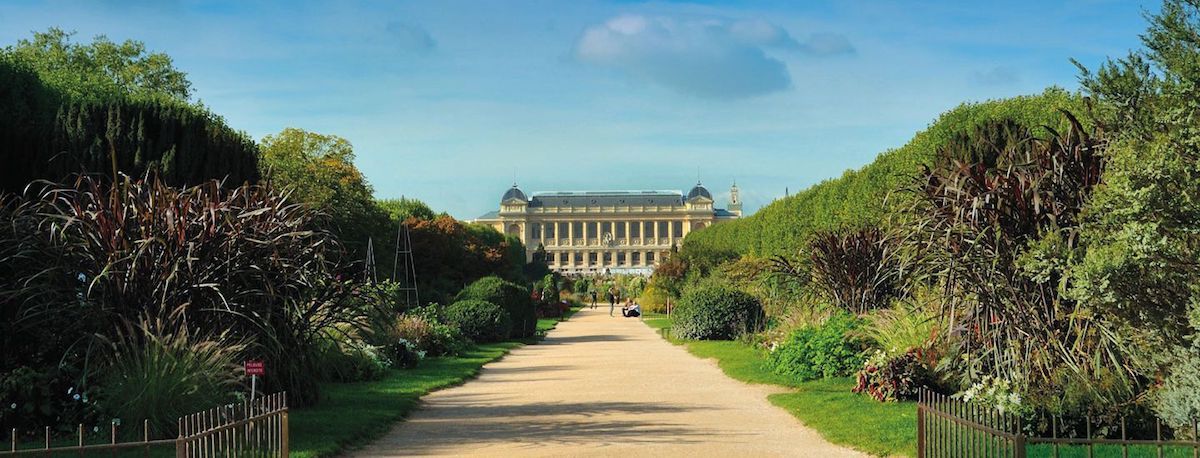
(606, 231)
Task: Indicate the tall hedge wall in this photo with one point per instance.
(45, 134)
(858, 197)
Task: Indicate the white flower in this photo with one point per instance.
(76, 396)
(14, 406)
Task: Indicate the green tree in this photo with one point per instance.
(1143, 226)
(319, 171)
(405, 208)
(102, 67)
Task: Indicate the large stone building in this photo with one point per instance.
(614, 231)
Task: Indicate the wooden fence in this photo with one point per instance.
(948, 427)
(258, 428)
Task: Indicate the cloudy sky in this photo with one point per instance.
(450, 101)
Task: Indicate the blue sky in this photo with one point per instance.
(448, 101)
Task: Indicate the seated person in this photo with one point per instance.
(631, 310)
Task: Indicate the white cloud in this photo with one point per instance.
(713, 59)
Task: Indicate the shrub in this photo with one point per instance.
(653, 299)
(352, 360)
(856, 270)
(427, 334)
(890, 378)
(480, 321)
(244, 259)
(510, 296)
(404, 354)
(160, 372)
(899, 330)
(821, 351)
(717, 312)
(1177, 400)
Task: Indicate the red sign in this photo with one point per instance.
(255, 367)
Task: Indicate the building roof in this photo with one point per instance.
(514, 193)
(605, 198)
(723, 213)
(489, 215)
(699, 191)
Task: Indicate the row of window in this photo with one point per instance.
(564, 258)
(593, 229)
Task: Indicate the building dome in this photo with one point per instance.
(514, 193)
(699, 191)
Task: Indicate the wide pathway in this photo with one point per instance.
(601, 386)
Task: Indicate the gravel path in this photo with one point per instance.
(601, 386)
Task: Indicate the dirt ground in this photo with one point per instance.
(602, 386)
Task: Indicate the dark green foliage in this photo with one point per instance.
(829, 349)
(47, 135)
(996, 225)
(717, 312)
(450, 254)
(514, 298)
(480, 321)
(82, 259)
(550, 303)
(857, 270)
(893, 378)
(344, 360)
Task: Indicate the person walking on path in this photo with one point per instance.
(612, 301)
(593, 299)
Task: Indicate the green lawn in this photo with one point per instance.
(827, 406)
(352, 414)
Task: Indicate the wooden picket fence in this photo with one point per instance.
(252, 429)
(948, 427)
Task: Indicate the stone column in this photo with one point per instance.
(542, 235)
(571, 235)
(628, 238)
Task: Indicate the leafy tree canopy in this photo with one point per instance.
(100, 68)
(405, 208)
(319, 171)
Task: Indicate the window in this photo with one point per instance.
(536, 231)
(591, 259)
(578, 258)
(636, 258)
(620, 232)
(620, 259)
(577, 229)
(650, 258)
(677, 228)
(592, 230)
(607, 258)
(649, 228)
(605, 228)
(635, 230)
(550, 232)
(662, 229)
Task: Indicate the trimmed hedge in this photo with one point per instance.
(481, 321)
(513, 298)
(717, 312)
